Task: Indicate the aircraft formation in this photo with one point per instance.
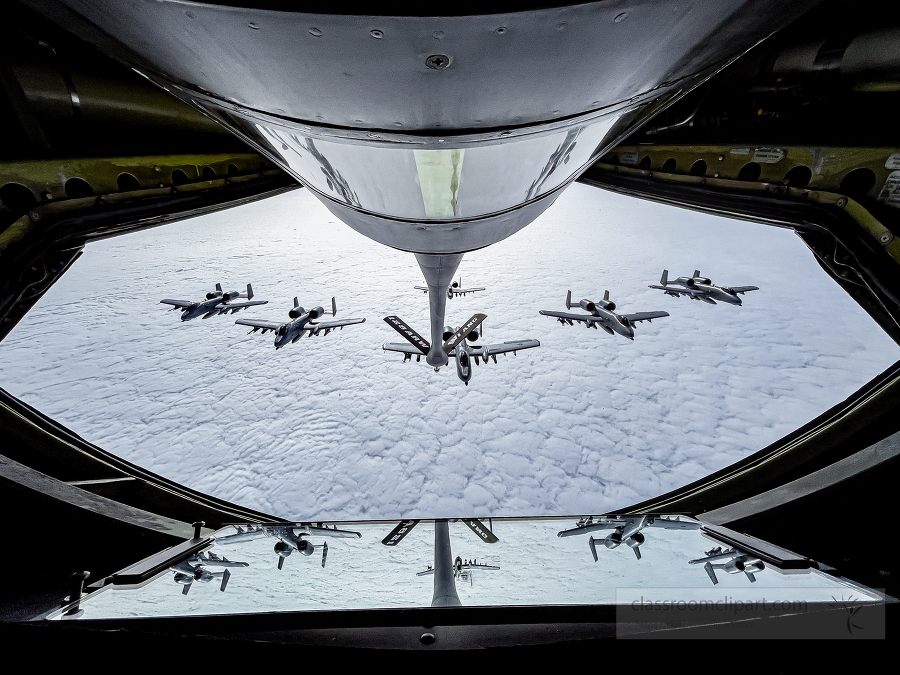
(463, 343)
(627, 530)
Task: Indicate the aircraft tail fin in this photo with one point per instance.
(637, 552)
(696, 273)
(185, 589)
(324, 553)
(296, 302)
(568, 299)
(592, 543)
(664, 280)
(711, 572)
(333, 307)
(219, 287)
(280, 562)
(606, 295)
(226, 575)
(249, 292)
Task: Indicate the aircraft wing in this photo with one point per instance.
(645, 316)
(248, 303)
(177, 303)
(265, 325)
(330, 532)
(421, 288)
(568, 316)
(593, 527)
(407, 348)
(736, 289)
(340, 323)
(682, 291)
(463, 291)
(510, 346)
(674, 523)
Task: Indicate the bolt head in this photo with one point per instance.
(438, 61)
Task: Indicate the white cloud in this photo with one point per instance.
(334, 428)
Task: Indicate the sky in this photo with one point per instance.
(334, 428)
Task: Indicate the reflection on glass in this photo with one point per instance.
(433, 563)
(419, 183)
(195, 569)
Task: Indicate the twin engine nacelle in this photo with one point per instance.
(302, 546)
(615, 539)
(213, 294)
(314, 313)
(231, 295)
(589, 306)
(744, 566)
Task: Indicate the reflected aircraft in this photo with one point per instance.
(626, 530)
(453, 289)
(733, 561)
(455, 344)
(702, 288)
(462, 570)
(291, 538)
(194, 569)
(445, 570)
(601, 313)
(302, 321)
(216, 303)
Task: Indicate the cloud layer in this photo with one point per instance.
(335, 428)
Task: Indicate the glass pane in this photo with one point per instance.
(529, 565)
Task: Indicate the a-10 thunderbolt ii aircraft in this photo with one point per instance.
(702, 288)
(732, 561)
(194, 569)
(602, 313)
(626, 530)
(455, 344)
(302, 321)
(453, 289)
(216, 303)
(291, 538)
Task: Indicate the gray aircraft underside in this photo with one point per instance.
(602, 314)
(455, 344)
(453, 290)
(702, 288)
(194, 569)
(626, 530)
(732, 561)
(216, 303)
(291, 538)
(302, 321)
